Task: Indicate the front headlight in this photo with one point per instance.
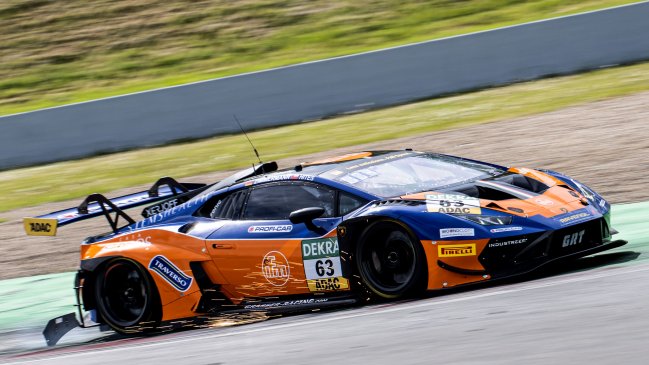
(488, 220)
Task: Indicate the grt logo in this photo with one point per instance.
(168, 271)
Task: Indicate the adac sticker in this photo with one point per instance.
(40, 226)
(172, 274)
(452, 203)
(328, 284)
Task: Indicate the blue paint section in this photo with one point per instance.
(172, 274)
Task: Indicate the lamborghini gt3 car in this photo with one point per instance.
(381, 224)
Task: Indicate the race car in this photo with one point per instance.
(368, 225)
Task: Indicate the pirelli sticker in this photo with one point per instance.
(468, 249)
(322, 267)
(452, 203)
(40, 226)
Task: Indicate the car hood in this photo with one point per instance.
(520, 192)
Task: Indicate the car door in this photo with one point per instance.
(261, 253)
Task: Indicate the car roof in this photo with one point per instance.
(322, 166)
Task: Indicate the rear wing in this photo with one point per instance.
(96, 204)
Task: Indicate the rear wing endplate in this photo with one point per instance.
(113, 209)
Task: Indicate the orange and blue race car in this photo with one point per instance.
(380, 224)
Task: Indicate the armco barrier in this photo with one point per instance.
(319, 89)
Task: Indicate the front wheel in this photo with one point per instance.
(390, 261)
(126, 297)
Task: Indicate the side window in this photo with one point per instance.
(223, 206)
(278, 201)
(348, 203)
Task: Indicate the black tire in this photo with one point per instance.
(126, 297)
(390, 261)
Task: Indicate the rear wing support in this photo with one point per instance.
(103, 203)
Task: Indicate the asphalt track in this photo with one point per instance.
(593, 311)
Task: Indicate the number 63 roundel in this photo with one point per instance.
(322, 268)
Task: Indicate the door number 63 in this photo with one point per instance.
(326, 267)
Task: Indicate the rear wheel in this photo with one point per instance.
(390, 261)
(126, 297)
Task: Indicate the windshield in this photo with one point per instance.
(411, 174)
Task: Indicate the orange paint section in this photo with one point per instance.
(439, 278)
(243, 268)
(343, 158)
(143, 246)
(558, 199)
(182, 307)
(261, 268)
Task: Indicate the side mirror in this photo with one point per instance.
(306, 215)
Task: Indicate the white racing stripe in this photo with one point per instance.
(367, 311)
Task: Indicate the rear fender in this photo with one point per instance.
(165, 255)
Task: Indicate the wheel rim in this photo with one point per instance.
(388, 263)
(124, 294)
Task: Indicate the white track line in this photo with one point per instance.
(369, 312)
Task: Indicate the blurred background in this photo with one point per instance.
(574, 97)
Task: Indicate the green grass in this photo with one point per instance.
(74, 179)
(59, 52)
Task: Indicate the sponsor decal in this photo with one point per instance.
(505, 229)
(40, 226)
(288, 303)
(349, 179)
(456, 232)
(67, 215)
(159, 208)
(573, 238)
(574, 218)
(602, 203)
(282, 178)
(452, 203)
(128, 242)
(198, 200)
(456, 250)
(275, 268)
(319, 248)
(508, 243)
(172, 274)
(544, 202)
(322, 268)
(328, 284)
(270, 229)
